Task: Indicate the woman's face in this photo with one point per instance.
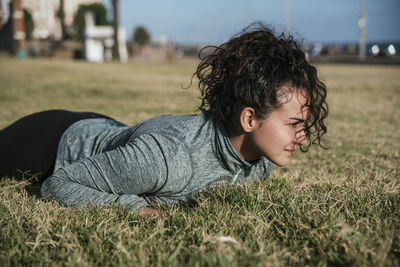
(279, 135)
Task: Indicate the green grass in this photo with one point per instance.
(339, 206)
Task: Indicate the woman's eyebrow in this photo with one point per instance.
(297, 119)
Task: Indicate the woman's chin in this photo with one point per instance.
(281, 162)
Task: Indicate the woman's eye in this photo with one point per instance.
(296, 126)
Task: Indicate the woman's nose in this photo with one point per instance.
(301, 138)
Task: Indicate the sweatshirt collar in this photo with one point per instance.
(225, 152)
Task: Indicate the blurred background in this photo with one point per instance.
(100, 31)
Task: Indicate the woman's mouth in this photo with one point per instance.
(291, 151)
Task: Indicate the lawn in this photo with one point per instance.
(336, 206)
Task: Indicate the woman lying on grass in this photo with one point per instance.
(261, 100)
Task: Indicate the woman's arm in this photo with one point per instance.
(118, 176)
(150, 212)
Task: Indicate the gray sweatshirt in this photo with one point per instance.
(166, 159)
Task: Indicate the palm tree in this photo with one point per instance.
(115, 24)
(61, 15)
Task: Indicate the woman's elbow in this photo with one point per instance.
(52, 187)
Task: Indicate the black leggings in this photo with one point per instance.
(29, 145)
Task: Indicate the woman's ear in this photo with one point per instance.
(248, 120)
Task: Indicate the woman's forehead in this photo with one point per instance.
(294, 103)
(290, 93)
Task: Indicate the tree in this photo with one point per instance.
(141, 36)
(100, 14)
(116, 26)
(29, 24)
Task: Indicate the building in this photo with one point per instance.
(44, 13)
(99, 41)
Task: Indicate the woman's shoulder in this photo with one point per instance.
(166, 121)
(94, 124)
(178, 126)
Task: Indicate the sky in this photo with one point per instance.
(215, 21)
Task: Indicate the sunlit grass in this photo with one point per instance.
(339, 206)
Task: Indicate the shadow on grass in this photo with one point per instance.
(33, 190)
(28, 181)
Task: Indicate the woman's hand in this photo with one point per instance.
(150, 212)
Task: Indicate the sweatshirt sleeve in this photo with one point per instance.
(119, 176)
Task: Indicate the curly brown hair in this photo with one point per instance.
(250, 69)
